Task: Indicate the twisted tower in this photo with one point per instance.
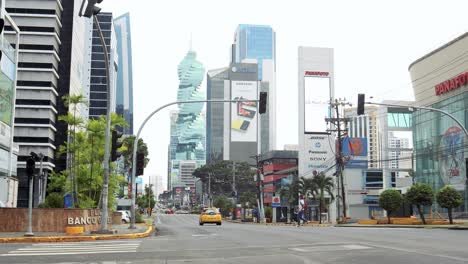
(190, 121)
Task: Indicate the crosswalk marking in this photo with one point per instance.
(330, 248)
(75, 248)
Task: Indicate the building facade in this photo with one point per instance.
(257, 44)
(440, 80)
(37, 82)
(235, 131)
(8, 149)
(98, 89)
(366, 126)
(124, 97)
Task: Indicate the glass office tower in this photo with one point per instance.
(254, 42)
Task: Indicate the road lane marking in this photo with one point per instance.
(74, 248)
(318, 248)
(63, 253)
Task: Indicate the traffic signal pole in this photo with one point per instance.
(261, 102)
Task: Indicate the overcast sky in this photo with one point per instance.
(374, 43)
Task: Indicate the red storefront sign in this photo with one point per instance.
(316, 73)
(452, 84)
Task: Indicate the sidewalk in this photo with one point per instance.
(451, 227)
(120, 232)
(314, 224)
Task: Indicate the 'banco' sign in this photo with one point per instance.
(89, 217)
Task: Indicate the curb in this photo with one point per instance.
(52, 239)
(406, 226)
(278, 224)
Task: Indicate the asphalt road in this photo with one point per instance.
(181, 240)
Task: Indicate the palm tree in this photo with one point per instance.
(73, 102)
(324, 185)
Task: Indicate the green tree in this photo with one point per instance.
(323, 186)
(291, 194)
(390, 200)
(248, 198)
(87, 152)
(420, 195)
(222, 177)
(224, 204)
(73, 102)
(147, 200)
(127, 150)
(449, 198)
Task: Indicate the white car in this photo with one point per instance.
(125, 216)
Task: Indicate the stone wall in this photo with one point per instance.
(51, 219)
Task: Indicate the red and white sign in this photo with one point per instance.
(452, 84)
(316, 73)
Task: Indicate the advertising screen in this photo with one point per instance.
(317, 153)
(316, 102)
(244, 114)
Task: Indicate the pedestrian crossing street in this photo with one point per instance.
(73, 248)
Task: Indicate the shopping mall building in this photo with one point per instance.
(440, 80)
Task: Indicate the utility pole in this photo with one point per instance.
(338, 122)
(261, 210)
(209, 189)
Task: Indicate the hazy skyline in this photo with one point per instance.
(374, 43)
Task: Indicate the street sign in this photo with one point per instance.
(276, 202)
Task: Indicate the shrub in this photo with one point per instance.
(53, 200)
(449, 198)
(420, 194)
(390, 200)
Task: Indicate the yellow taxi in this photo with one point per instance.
(210, 216)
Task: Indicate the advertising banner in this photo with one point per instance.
(317, 95)
(355, 152)
(355, 146)
(244, 114)
(316, 154)
(452, 161)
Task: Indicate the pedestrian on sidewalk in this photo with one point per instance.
(301, 213)
(296, 216)
(255, 214)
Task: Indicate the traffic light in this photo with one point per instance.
(360, 104)
(140, 164)
(30, 166)
(90, 8)
(116, 144)
(2, 24)
(263, 102)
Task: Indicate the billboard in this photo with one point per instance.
(452, 161)
(355, 146)
(244, 114)
(317, 95)
(317, 153)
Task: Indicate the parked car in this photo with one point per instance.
(125, 216)
(169, 211)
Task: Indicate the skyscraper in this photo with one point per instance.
(124, 97)
(236, 131)
(257, 44)
(98, 89)
(52, 63)
(187, 124)
(8, 150)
